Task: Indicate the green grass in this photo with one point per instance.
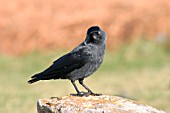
(139, 71)
(137, 55)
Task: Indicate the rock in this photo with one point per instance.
(92, 104)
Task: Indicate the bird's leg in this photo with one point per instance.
(73, 82)
(89, 91)
(78, 92)
(81, 82)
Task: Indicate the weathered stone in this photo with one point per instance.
(92, 104)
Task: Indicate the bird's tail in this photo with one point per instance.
(33, 80)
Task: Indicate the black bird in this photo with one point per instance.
(80, 63)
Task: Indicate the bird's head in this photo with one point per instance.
(95, 35)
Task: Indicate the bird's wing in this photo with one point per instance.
(67, 63)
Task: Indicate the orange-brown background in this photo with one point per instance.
(27, 25)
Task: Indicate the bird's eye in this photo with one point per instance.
(98, 32)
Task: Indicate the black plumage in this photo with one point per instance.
(80, 63)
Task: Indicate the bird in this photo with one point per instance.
(79, 63)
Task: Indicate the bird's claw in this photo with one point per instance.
(86, 94)
(80, 94)
(96, 94)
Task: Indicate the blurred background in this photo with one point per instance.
(36, 32)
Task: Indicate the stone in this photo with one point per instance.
(92, 104)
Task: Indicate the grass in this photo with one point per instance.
(139, 71)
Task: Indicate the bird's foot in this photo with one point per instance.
(80, 94)
(86, 94)
(94, 94)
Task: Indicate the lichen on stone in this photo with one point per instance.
(93, 104)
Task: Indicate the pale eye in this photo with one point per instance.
(99, 32)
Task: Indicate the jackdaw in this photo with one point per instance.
(80, 63)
